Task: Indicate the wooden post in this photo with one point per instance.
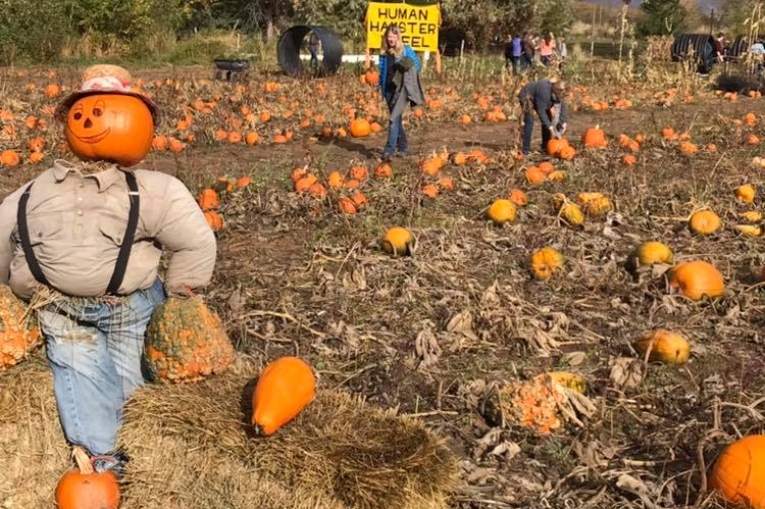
(592, 36)
(438, 61)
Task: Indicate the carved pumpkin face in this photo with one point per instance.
(110, 127)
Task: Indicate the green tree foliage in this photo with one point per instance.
(24, 36)
(484, 20)
(663, 17)
(741, 17)
(345, 17)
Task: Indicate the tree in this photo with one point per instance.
(663, 17)
(556, 16)
(740, 16)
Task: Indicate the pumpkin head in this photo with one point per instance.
(284, 388)
(739, 473)
(110, 127)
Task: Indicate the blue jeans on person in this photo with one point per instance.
(95, 349)
(396, 135)
(528, 132)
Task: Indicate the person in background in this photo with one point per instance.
(509, 52)
(517, 52)
(720, 47)
(545, 98)
(547, 49)
(528, 49)
(313, 47)
(400, 85)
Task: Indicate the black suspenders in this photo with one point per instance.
(125, 248)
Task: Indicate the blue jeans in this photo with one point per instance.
(528, 131)
(95, 351)
(396, 135)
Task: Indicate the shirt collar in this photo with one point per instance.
(105, 178)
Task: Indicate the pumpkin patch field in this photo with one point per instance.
(581, 327)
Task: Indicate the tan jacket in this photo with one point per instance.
(76, 224)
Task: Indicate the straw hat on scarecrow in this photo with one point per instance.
(104, 79)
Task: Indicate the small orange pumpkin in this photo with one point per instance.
(88, 490)
(208, 199)
(360, 128)
(214, 220)
(110, 127)
(594, 137)
(704, 222)
(285, 387)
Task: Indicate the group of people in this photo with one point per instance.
(400, 86)
(523, 52)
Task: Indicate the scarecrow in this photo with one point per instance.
(82, 242)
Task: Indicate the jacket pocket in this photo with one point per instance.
(113, 229)
(44, 228)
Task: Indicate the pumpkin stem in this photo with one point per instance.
(258, 430)
(83, 460)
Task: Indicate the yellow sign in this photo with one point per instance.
(418, 24)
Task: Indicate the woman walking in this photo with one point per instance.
(400, 86)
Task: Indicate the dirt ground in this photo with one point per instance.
(424, 333)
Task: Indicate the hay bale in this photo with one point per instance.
(34, 451)
(338, 453)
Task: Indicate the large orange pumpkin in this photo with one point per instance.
(110, 127)
(19, 332)
(739, 473)
(285, 387)
(697, 278)
(186, 342)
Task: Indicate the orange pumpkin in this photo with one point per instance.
(110, 127)
(19, 333)
(555, 145)
(360, 128)
(208, 199)
(697, 278)
(186, 342)
(78, 490)
(594, 137)
(214, 220)
(285, 387)
(704, 222)
(739, 472)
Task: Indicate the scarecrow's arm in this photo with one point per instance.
(184, 232)
(8, 209)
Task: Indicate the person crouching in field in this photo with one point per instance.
(400, 86)
(545, 98)
(83, 241)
